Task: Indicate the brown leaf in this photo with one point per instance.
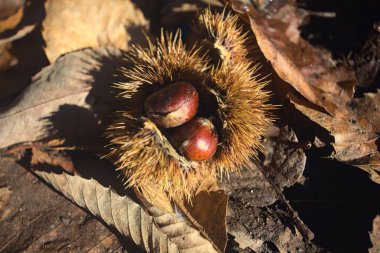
(11, 12)
(52, 157)
(283, 167)
(375, 235)
(71, 25)
(76, 87)
(260, 186)
(206, 210)
(24, 56)
(368, 107)
(6, 58)
(310, 70)
(355, 135)
(269, 229)
(152, 230)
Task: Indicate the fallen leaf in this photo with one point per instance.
(53, 158)
(327, 85)
(206, 210)
(368, 107)
(260, 186)
(355, 135)
(76, 86)
(70, 25)
(24, 56)
(11, 12)
(260, 218)
(375, 235)
(269, 229)
(283, 167)
(6, 58)
(151, 229)
(309, 69)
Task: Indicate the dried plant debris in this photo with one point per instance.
(262, 183)
(268, 229)
(260, 186)
(71, 25)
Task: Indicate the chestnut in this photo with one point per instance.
(197, 140)
(173, 105)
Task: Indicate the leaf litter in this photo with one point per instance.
(75, 85)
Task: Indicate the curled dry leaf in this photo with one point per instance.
(76, 86)
(71, 25)
(310, 70)
(153, 229)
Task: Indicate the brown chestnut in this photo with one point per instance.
(197, 140)
(173, 105)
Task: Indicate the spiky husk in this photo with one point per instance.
(243, 107)
(243, 111)
(230, 95)
(143, 153)
(225, 39)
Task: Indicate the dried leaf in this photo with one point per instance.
(355, 135)
(11, 12)
(328, 86)
(6, 58)
(52, 157)
(368, 107)
(24, 58)
(76, 86)
(262, 185)
(310, 70)
(206, 210)
(152, 230)
(283, 167)
(70, 25)
(269, 229)
(375, 235)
